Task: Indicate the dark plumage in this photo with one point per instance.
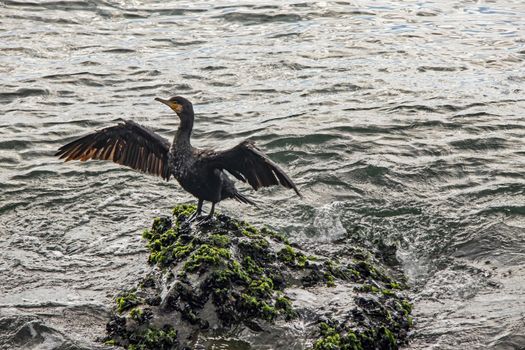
(200, 172)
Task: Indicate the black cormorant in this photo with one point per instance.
(199, 171)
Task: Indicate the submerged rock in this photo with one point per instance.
(227, 283)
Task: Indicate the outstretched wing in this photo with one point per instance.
(249, 164)
(127, 144)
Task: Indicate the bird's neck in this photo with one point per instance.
(182, 138)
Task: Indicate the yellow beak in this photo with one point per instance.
(173, 105)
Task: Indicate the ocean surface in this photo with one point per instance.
(402, 122)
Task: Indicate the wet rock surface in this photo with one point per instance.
(225, 280)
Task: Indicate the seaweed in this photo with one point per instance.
(126, 300)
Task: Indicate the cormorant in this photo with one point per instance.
(199, 171)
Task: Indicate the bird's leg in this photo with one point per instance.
(212, 210)
(197, 212)
(210, 215)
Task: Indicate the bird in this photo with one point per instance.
(201, 172)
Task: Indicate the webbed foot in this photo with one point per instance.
(194, 216)
(205, 220)
(197, 213)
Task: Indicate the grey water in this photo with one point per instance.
(400, 121)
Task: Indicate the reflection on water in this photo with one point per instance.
(399, 120)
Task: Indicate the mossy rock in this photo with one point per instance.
(227, 282)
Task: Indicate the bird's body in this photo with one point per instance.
(194, 174)
(199, 172)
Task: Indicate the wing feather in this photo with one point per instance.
(127, 143)
(249, 164)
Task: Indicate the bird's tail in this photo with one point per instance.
(243, 199)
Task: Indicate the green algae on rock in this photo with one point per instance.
(227, 279)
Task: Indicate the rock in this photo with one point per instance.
(227, 282)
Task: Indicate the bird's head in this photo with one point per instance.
(179, 104)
